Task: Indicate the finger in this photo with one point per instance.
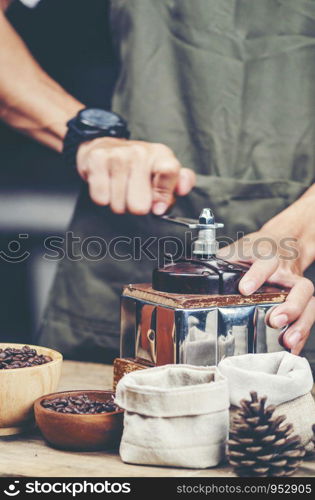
(258, 273)
(139, 196)
(227, 252)
(96, 175)
(297, 334)
(119, 172)
(165, 178)
(240, 251)
(294, 305)
(186, 181)
(99, 187)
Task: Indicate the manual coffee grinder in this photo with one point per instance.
(193, 312)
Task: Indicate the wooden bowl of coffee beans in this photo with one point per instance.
(80, 420)
(26, 373)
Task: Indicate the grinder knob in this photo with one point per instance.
(206, 217)
(206, 244)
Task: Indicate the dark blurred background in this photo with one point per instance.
(71, 40)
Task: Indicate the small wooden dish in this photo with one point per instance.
(79, 432)
(20, 387)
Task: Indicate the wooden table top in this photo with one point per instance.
(29, 455)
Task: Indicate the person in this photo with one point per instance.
(218, 97)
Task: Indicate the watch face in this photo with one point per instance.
(100, 118)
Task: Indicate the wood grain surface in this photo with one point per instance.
(29, 455)
(186, 301)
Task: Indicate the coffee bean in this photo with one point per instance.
(80, 405)
(46, 403)
(12, 358)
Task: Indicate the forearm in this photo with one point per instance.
(31, 101)
(4, 4)
(297, 221)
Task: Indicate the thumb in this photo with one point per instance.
(186, 181)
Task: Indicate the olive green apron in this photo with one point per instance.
(229, 85)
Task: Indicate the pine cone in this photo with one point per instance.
(260, 445)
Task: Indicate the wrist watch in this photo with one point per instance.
(88, 124)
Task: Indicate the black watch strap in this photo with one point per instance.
(77, 134)
(73, 139)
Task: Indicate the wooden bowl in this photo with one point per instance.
(80, 432)
(20, 387)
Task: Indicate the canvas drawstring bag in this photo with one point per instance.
(175, 415)
(284, 378)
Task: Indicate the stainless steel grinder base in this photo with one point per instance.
(195, 329)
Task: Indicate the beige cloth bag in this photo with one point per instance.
(284, 378)
(175, 415)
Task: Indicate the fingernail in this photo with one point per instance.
(159, 208)
(280, 321)
(248, 287)
(294, 338)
